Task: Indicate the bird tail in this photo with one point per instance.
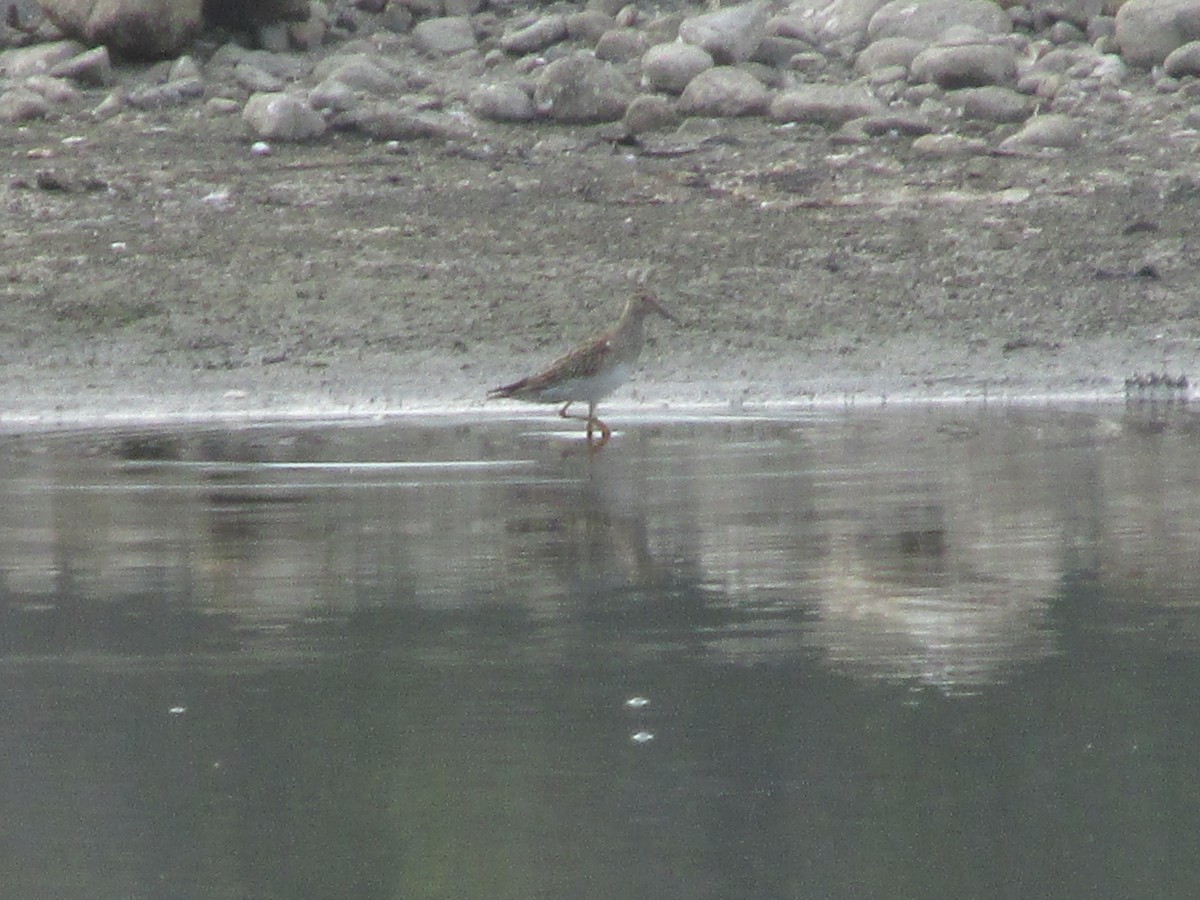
(507, 390)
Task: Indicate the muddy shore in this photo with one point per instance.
(155, 267)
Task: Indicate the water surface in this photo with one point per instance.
(909, 653)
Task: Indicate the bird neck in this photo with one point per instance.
(630, 333)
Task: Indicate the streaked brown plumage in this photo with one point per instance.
(593, 370)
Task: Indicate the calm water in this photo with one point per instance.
(873, 654)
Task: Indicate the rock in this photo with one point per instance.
(23, 105)
(670, 67)
(928, 20)
(255, 79)
(650, 113)
(501, 103)
(965, 65)
(887, 52)
(729, 35)
(582, 89)
(1184, 60)
(1076, 12)
(992, 104)
(724, 91)
(92, 68)
(462, 7)
(905, 122)
(242, 15)
(282, 117)
(58, 91)
(838, 25)
(533, 38)
(778, 51)
(620, 45)
(390, 121)
(945, 145)
(444, 36)
(1148, 30)
(311, 32)
(823, 104)
(23, 61)
(588, 26)
(173, 93)
(358, 71)
(145, 29)
(1049, 130)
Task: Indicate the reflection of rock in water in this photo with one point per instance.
(956, 601)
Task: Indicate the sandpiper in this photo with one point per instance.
(591, 371)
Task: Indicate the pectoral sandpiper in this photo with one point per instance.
(592, 371)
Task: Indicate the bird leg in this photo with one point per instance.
(595, 423)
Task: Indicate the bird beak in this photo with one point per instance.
(659, 308)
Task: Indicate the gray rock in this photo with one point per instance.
(23, 105)
(929, 19)
(823, 104)
(23, 61)
(587, 26)
(334, 96)
(288, 66)
(255, 79)
(1077, 12)
(965, 65)
(444, 36)
(358, 71)
(992, 104)
(390, 121)
(240, 14)
(1049, 130)
(537, 36)
(501, 103)
(1148, 30)
(838, 25)
(670, 67)
(140, 28)
(900, 121)
(92, 68)
(1184, 60)
(777, 51)
(582, 89)
(462, 7)
(724, 91)
(729, 35)
(949, 145)
(620, 45)
(172, 93)
(887, 52)
(650, 113)
(58, 91)
(282, 117)
(273, 37)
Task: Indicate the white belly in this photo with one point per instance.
(588, 390)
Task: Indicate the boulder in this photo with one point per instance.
(145, 29)
(1149, 30)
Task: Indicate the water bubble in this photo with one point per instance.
(637, 702)
(642, 737)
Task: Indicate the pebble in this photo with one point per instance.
(539, 35)
(670, 67)
(1054, 130)
(581, 89)
(444, 36)
(502, 103)
(282, 117)
(929, 20)
(823, 104)
(991, 104)
(917, 67)
(729, 35)
(620, 45)
(1183, 60)
(965, 65)
(724, 91)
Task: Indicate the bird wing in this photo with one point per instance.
(578, 363)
